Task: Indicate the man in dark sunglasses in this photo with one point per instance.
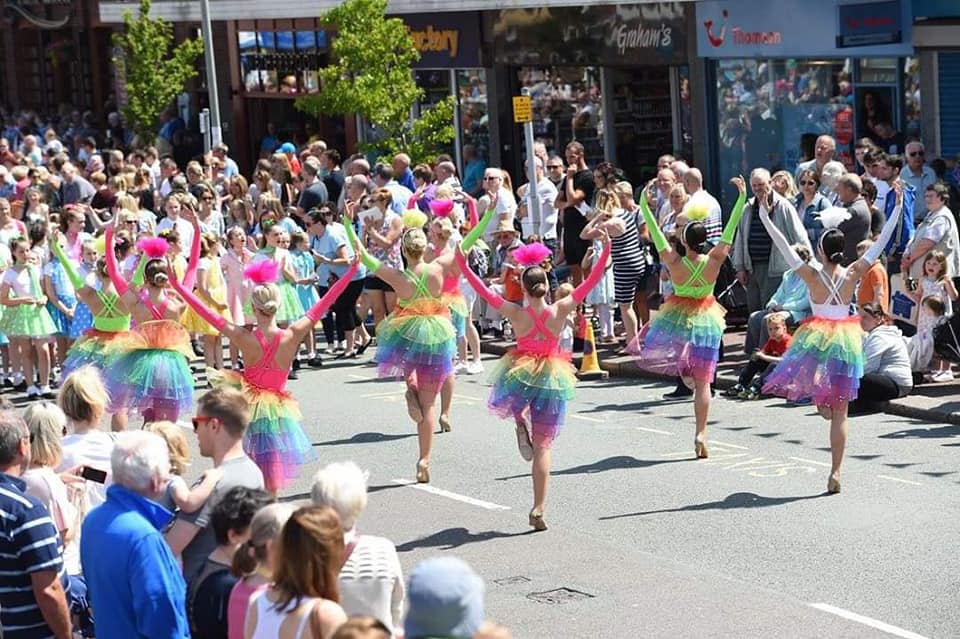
(918, 175)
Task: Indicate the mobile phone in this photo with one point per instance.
(99, 476)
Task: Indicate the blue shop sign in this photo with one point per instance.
(868, 23)
(932, 9)
(802, 29)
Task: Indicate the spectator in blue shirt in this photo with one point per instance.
(384, 178)
(402, 172)
(33, 600)
(133, 579)
(473, 169)
(888, 169)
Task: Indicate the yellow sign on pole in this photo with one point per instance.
(522, 109)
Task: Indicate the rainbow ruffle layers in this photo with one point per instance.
(147, 370)
(417, 339)
(91, 349)
(544, 383)
(684, 339)
(274, 439)
(824, 363)
(457, 303)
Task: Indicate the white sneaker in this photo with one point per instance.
(46, 392)
(33, 391)
(475, 367)
(942, 376)
(460, 367)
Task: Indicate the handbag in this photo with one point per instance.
(903, 308)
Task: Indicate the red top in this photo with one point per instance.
(776, 348)
(539, 341)
(265, 374)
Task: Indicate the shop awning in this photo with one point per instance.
(189, 10)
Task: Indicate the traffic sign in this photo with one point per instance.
(522, 109)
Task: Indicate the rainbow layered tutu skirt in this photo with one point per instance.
(683, 339)
(417, 340)
(824, 363)
(91, 349)
(147, 369)
(457, 303)
(544, 383)
(274, 438)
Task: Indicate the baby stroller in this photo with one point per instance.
(946, 339)
(732, 295)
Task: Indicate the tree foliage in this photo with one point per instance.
(155, 71)
(370, 75)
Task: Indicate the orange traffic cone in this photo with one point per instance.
(590, 366)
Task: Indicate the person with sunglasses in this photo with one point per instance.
(809, 202)
(918, 175)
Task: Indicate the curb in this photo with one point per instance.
(627, 370)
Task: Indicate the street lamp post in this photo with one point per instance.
(216, 135)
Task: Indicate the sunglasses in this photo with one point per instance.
(200, 420)
(807, 183)
(554, 166)
(490, 178)
(917, 154)
(207, 199)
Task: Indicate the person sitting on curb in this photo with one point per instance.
(763, 361)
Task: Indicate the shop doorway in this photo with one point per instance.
(291, 125)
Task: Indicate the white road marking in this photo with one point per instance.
(359, 376)
(717, 441)
(902, 481)
(654, 430)
(810, 461)
(867, 621)
(587, 418)
(427, 488)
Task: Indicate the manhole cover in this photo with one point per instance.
(511, 581)
(559, 596)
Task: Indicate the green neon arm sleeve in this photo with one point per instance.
(72, 274)
(659, 239)
(731, 228)
(477, 231)
(372, 263)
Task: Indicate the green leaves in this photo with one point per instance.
(370, 75)
(155, 71)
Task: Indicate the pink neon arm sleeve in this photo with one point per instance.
(580, 293)
(318, 310)
(412, 202)
(472, 214)
(112, 271)
(190, 275)
(214, 319)
(488, 296)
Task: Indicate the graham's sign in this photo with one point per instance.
(43, 14)
(445, 40)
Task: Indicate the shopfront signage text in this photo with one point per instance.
(740, 35)
(639, 37)
(34, 12)
(436, 40)
(869, 23)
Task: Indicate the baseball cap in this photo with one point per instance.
(287, 147)
(445, 597)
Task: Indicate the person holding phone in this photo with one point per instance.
(759, 267)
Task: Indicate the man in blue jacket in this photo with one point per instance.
(134, 583)
(888, 170)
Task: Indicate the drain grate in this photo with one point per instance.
(512, 581)
(559, 596)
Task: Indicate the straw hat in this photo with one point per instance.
(505, 226)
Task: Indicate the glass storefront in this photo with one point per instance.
(284, 62)
(474, 112)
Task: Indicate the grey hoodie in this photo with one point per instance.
(885, 353)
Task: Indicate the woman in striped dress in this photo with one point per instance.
(627, 233)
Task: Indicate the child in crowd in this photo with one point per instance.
(937, 287)
(601, 297)
(874, 286)
(306, 270)
(177, 495)
(763, 361)
(566, 335)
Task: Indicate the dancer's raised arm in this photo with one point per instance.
(656, 233)
(730, 230)
(580, 293)
(488, 296)
(72, 274)
(212, 318)
(794, 261)
(471, 206)
(190, 275)
(477, 231)
(873, 253)
(111, 256)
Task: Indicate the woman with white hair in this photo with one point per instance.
(830, 176)
(371, 580)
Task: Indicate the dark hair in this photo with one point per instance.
(831, 245)
(873, 155)
(383, 171)
(935, 304)
(333, 156)
(535, 281)
(695, 236)
(156, 272)
(869, 191)
(37, 232)
(235, 510)
(876, 311)
(942, 191)
(893, 160)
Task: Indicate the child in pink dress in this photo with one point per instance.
(236, 258)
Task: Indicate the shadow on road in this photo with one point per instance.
(620, 462)
(455, 537)
(944, 432)
(730, 502)
(365, 438)
(370, 491)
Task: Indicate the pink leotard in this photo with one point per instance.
(265, 373)
(539, 341)
(157, 311)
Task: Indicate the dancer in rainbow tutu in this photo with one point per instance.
(825, 359)
(683, 339)
(533, 383)
(274, 438)
(417, 341)
(147, 369)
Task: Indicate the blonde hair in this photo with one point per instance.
(266, 298)
(414, 243)
(444, 192)
(444, 228)
(563, 291)
(177, 444)
(46, 423)
(82, 396)
(128, 202)
(607, 202)
(679, 190)
(265, 527)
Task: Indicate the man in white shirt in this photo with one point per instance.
(693, 183)
(823, 152)
(506, 204)
(173, 220)
(918, 175)
(544, 221)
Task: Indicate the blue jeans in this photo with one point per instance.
(80, 606)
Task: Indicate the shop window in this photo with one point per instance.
(911, 98)
(284, 62)
(567, 106)
(643, 119)
(474, 125)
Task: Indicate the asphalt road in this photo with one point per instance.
(646, 541)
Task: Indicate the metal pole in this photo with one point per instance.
(216, 134)
(205, 129)
(533, 198)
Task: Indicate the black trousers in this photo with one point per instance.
(874, 389)
(329, 328)
(345, 307)
(753, 368)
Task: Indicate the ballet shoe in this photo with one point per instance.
(833, 485)
(444, 424)
(423, 472)
(536, 521)
(413, 406)
(700, 448)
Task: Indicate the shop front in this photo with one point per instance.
(787, 72)
(612, 77)
(936, 35)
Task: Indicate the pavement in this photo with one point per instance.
(646, 541)
(938, 403)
